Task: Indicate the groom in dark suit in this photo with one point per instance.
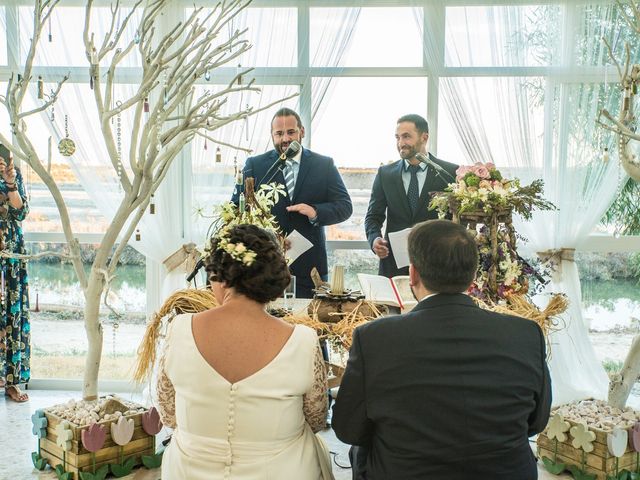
(316, 195)
(448, 391)
(401, 190)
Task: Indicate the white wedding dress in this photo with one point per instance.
(257, 428)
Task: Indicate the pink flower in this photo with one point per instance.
(490, 166)
(151, 422)
(462, 171)
(482, 171)
(634, 437)
(122, 431)
(93, 437)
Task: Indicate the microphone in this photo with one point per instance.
(197, 268)
(423, 158)
(291, 151)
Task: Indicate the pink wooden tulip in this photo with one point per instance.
(93, 437)
(634, 437)
(122, 431)
(151, 422)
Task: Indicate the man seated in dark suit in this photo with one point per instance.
(448, 391)
(401, 190)
(316, 195)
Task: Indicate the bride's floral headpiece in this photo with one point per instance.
(238, 251)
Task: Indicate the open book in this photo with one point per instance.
(388, 291)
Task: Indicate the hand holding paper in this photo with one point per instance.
(298, 244)
(400, 247)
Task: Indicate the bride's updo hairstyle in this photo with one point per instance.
(248, 259)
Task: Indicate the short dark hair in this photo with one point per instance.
(262, 281)
(287, 112)
(421, 124)
(445, 255)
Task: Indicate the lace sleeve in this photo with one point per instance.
(315, 402)
(166, 395)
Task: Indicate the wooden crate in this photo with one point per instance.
(599, 462)
(79, 458)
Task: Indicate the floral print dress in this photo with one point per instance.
(15, 345)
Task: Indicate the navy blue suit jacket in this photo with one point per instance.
(446, 392)
(389, 202)
(320, 185)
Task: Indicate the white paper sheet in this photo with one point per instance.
(400, 247)
(298, 245)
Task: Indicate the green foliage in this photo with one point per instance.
(553, 467)
(624, 212)
(612, 366)
(121, 470)
(38, 462)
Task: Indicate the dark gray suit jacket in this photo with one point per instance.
(320, 185)
(389, 201)
(446, 392)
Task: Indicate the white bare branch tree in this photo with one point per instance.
(624, 126)
(171, 65)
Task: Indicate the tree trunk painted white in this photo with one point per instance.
(167, 116)
(621, 384)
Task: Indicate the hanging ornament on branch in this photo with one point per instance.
(66, 147)
(119, 144)
(152, 206)
(40, 87)
(49, 24)
(218, 155)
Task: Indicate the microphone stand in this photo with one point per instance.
(280, 160)
(280, 167)
(438, 169)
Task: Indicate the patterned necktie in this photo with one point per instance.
(288, 178)
(412, 191)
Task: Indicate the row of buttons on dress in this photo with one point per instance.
(230, 425)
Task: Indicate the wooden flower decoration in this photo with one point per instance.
(39, 422)
(582, 437)
(93, 437)
(617, 442)
(557, 427)
(151, 422)
(122, 431)
(634, 437)
(64, 435)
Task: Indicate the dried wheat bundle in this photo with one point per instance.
(338, 333)
(343, 330)
(189, 300)
(521, 306)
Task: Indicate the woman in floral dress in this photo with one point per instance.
(15, 329)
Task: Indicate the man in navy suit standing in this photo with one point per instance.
(316, 195)
(401, 190)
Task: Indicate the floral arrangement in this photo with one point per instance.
(481, 187)
(479, 192)
(514, 275)
(256, 210)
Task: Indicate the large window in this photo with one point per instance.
(511, 72)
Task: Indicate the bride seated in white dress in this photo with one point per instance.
(245, 391)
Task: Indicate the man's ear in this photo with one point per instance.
(425, 137)
(414, 276)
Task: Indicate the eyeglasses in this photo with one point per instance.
(290, 133)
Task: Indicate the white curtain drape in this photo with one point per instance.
(271, 30)
(210, 182)
(544, 130)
